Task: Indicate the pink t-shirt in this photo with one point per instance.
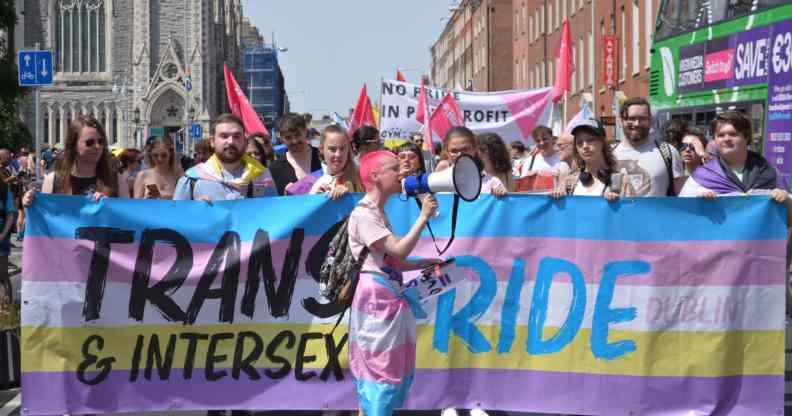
(367, 225)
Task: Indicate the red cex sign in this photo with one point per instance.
(609, 60)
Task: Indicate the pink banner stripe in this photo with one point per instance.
(687, 263)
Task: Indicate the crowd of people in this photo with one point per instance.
(232, 165)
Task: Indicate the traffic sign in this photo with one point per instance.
(196, 130)
(35, 68)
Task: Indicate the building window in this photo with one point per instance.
(517, 73)
(581, 62)
(80, 36)
(530, 30)
(550, 17)
(525, 71)
(564, 9)
(516, 23)
(541, 20)
(636, 37)
(558, 13)
(623, 41)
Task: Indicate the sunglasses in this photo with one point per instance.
(686, 146)
(94, 142)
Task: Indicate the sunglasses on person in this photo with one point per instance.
(94, 142)
(687, 146)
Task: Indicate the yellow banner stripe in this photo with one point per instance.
(672, 354)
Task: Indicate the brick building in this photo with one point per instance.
(474, 50)
(537, 31)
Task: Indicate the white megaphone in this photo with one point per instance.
(463, 179)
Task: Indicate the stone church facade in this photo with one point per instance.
(142, 67)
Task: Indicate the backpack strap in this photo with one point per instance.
(192, 186)
(363, 254)
(533, 159)
(665, 152)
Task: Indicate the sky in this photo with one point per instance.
(336, 46)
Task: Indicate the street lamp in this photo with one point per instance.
(120, 91)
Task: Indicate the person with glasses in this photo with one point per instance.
(653, 168)
(164, 170)
(84, 167)
(229, 173)
(410, 160)
(458, 140)
(692, 149)
(300, 160)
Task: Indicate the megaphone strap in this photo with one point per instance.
(453, 225)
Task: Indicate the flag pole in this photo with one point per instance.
(566, 98)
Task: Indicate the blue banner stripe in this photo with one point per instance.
(644, 219)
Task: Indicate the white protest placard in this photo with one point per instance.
(511, 114)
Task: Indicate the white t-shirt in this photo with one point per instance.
(597, 188)
(490, 183)
(543, 164)
(645, 168)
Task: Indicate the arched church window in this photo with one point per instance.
(80, 36)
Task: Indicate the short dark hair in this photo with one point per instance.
(364, 134)
(737, 119)
(693, 131)
(518, 146)
(412, 147)
(673, 130)
(539, 130)
(634, 101)
(291, 123)
(227, 118)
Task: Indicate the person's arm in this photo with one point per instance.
(9, 215)
(123, 187)
(402, 247)
(678, 170)
(182, 190)
(140, 186)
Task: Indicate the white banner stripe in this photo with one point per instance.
(678, 308)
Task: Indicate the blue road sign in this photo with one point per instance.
(35, 68)
(196, 130)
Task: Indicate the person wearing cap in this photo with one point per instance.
(596, 173)
(366, 140)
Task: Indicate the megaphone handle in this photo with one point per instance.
(453, 225)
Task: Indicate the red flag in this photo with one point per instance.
(240, 106)
(400, 76)
(421, 115)
(446, 115)
(565, 63)
(362, 114)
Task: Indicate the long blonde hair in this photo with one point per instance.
(174, 163)
(350, 176)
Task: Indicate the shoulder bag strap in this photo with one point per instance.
(665, 152)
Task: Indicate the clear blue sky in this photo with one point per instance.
(335, 46)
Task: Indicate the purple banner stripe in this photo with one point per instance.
(570, 393)
(687, 263)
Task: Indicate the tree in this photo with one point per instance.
(13, 132)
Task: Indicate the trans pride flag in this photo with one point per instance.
(652, 306)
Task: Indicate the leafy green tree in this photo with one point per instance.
(13, 133)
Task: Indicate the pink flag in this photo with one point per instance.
(446, 115)
(421, 115)
(240, 106)
(363, 114)
(565, 64)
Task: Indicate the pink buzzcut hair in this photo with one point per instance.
(372, 162)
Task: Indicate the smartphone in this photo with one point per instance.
(153, 190)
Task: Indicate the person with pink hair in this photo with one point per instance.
(382, 320)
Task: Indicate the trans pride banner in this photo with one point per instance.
(652, 306)
(512, 114)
